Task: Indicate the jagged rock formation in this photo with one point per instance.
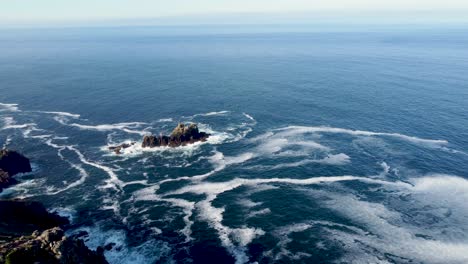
(180, 136)
(11, 163)
(47, 244)
(50, 246)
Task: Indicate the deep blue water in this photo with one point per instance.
(327, 146)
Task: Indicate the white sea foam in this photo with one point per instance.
(447, 196)
(391, 237)
(235, 239)
(281, 144)
(24, 189)
(68, 213)
(8, 107)
(259, 212)
(10, 123)
(331, 159)
(249, 203)
(295, 130)
(212, 113)
(83, 176)
(188, 208)
(250, 117)
(112, 182)
(386, 168)
(126, 127)
(7, 142)
(148, 252)
(283, 234)
(67, 114)
(381, 233)
(162, 120)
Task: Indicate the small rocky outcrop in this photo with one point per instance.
(181, 135)
(30, 234)
(49, 246)
(11, 163)
(118, 149)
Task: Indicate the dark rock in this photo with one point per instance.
(118, 148)
(180, 136)
(6, 180)
(50, 246)
(13, 163)
(18, 217)
(109, 246)
(19, 243)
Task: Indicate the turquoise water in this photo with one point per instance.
(327, 146)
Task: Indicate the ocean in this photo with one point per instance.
(326, 146)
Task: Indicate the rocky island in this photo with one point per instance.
(182, 135)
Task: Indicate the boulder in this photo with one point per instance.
(13, 163)
(180, 136)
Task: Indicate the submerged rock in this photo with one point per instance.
(180, 136)
(119, 148)
(11, 163)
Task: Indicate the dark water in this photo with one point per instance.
(327, 146)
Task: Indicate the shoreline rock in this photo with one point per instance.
(21, 217)
(30, 234)
(12, 163)
(50, 246)
(181, 135)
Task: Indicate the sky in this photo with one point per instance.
(59, 11)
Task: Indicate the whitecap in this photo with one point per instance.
(9, 107)
(212, 113)
(249, 117)
(67, 114)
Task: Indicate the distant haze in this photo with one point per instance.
(224, 11)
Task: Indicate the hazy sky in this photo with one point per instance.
(75, 10)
